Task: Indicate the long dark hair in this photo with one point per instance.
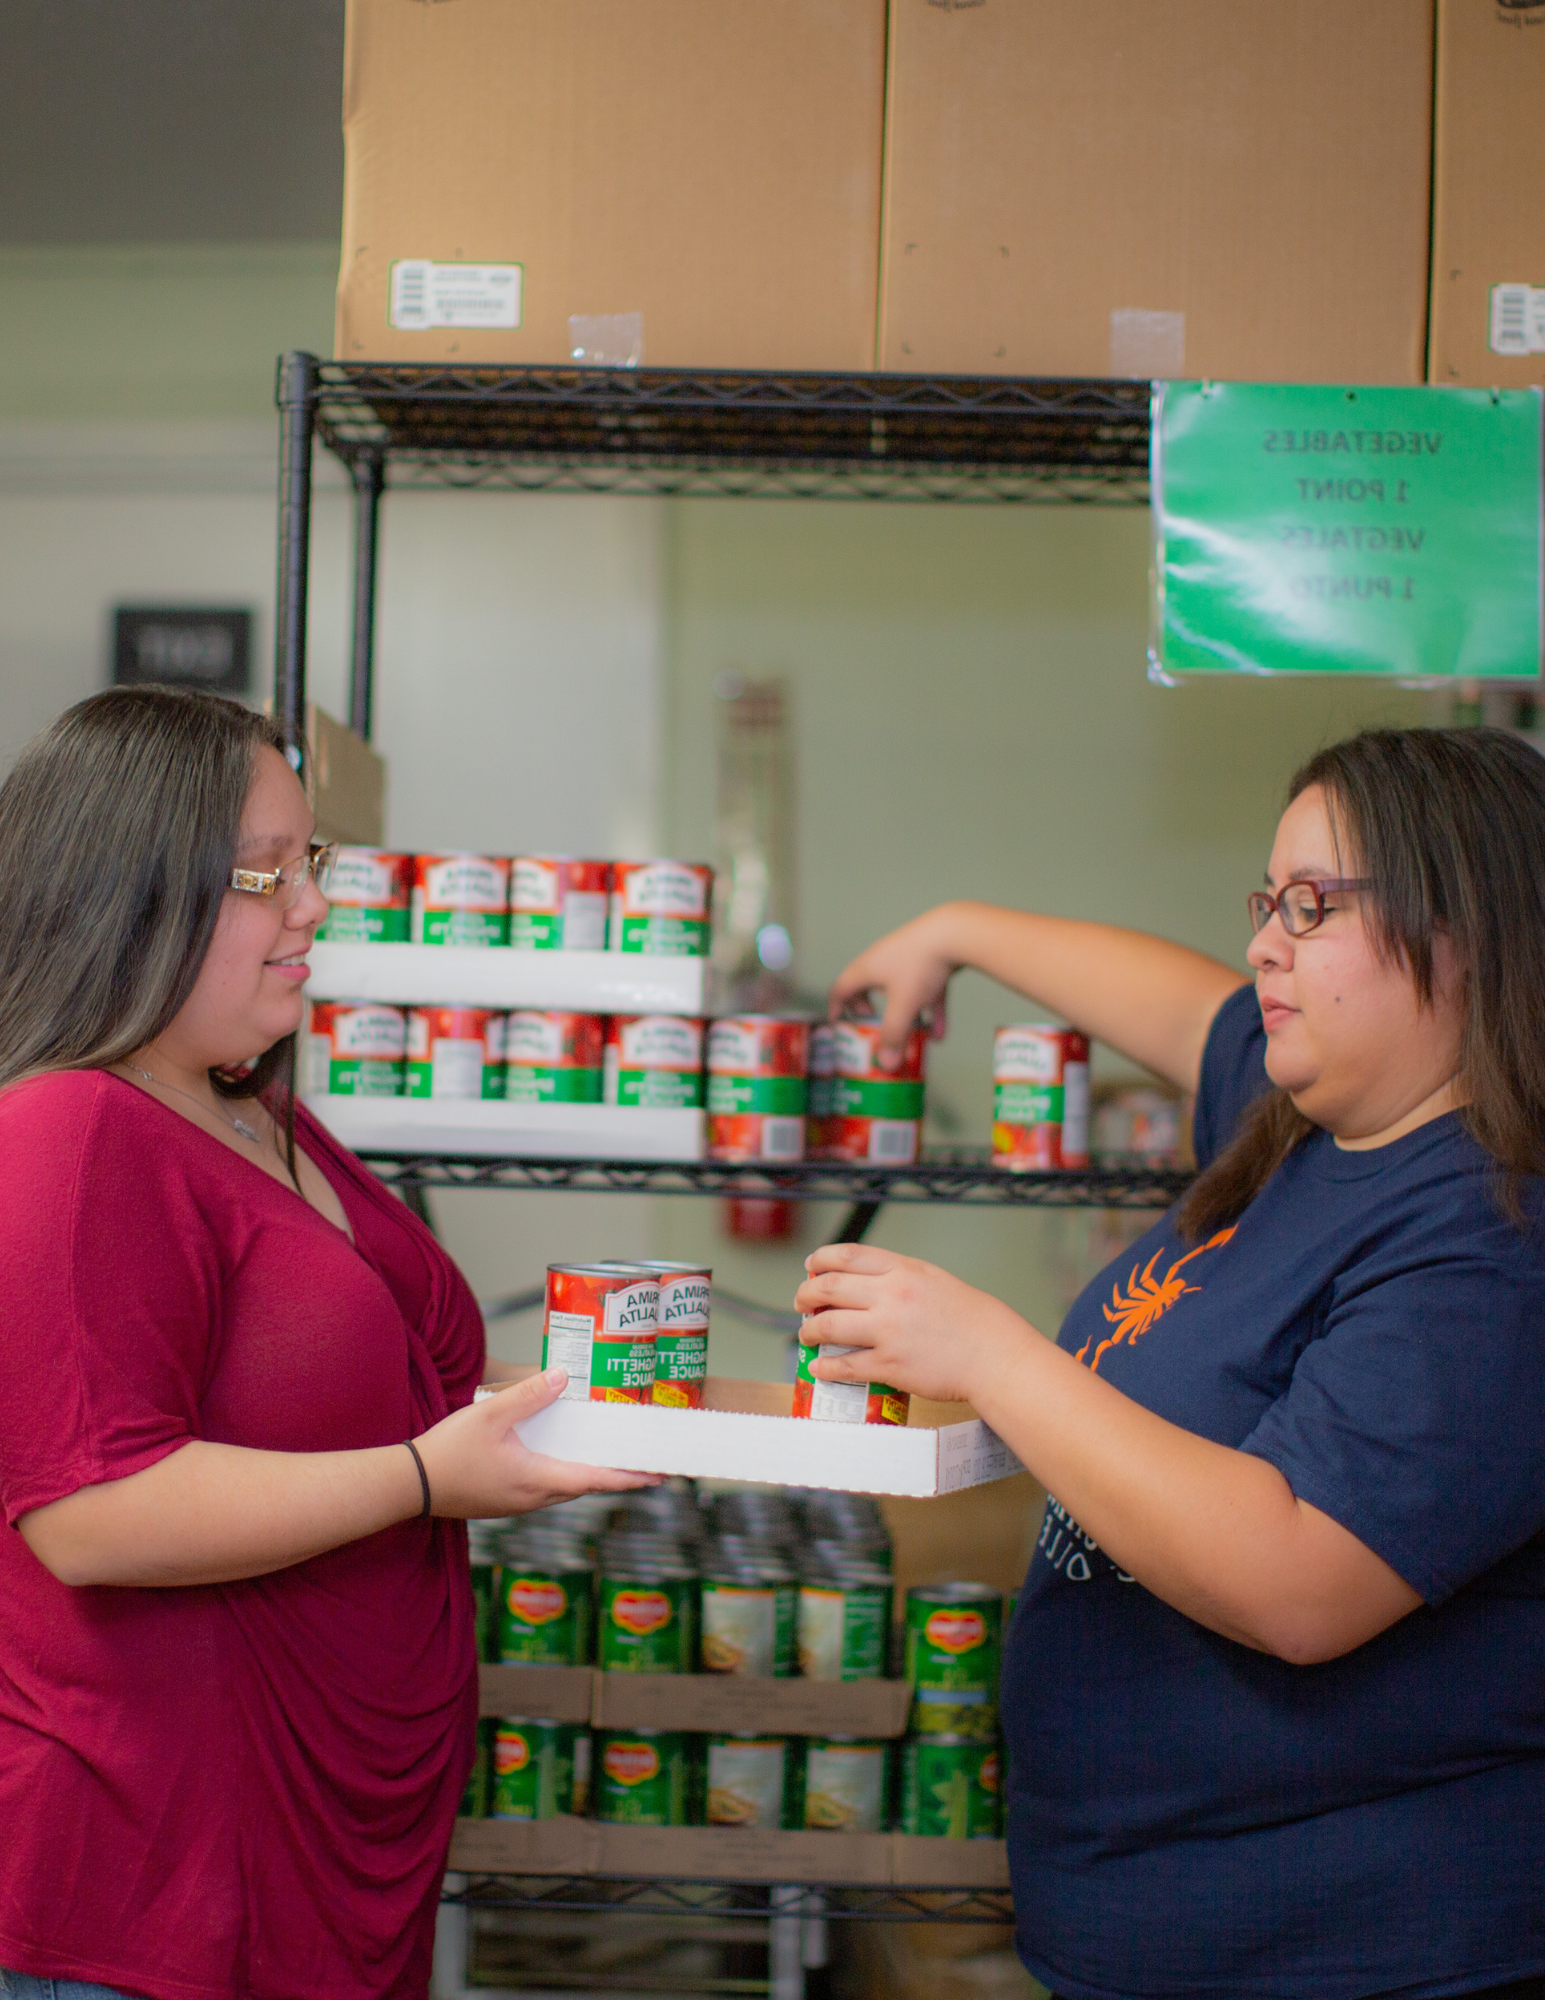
(1449, 826)
(118, 832)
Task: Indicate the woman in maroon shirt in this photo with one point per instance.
(237, 1681)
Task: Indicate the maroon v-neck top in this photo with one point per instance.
(245, 1788)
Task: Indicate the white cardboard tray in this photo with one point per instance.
(533, 1131)
(760, 1442)
(590, 982)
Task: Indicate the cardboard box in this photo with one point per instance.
(567, 1846)
(1200, 188)
(1488, 210)
(348, 782)
(699, 1702)
(745, 1432)
(701, 182)
(464, 975)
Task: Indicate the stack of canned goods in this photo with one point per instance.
(630, 1332)
(951, 1761)
(783, 1088)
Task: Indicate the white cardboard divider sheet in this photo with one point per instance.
(916, 1459)
(490, 1127)
(430, 975)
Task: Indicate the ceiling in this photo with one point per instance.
(131, 121)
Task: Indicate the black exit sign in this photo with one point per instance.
(183, 647)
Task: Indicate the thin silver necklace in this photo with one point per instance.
(236, 1124)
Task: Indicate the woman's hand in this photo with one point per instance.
(477, 1466)
(911, 1324)
(912, 968)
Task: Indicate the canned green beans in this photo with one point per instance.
(844, 1621)
(750, 1779)
(642, 1777)
(847, 1784)
(954, 1639)
(951, 1788)
(546, 1602)
(648, 1619)
(533, 1767)
(483, 1563)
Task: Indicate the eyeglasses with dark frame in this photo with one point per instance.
(1299, 905)
(290, 880)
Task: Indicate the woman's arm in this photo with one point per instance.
(1214, 1532)
(1152, 1000)
(213, 1513)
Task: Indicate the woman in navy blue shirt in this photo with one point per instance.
(1275, 1695)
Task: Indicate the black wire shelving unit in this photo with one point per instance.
(694, 433)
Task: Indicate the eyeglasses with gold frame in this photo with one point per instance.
(315, 865)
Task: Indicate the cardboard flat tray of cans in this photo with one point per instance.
(746, 1431)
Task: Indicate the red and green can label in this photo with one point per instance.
(951, 1788)
(460, 899)
(648, 1627)
(553, 1058)
(681, 1338)
(641, 1777)
(600, 1326)
(367, 891)
(455, 1052)
(355, 1049)
(661, 908)
(844, 1402)
(653, 1062)
(545, 1617)
(557, 904)
(1040, 1098)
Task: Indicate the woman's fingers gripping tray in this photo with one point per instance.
(911, 1324)
(478, 1467)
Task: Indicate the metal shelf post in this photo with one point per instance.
(296, 396)
(369, 473)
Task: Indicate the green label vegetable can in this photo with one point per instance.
(641, 1777)
(950, 1788)
(749, 1628)
(459, 899)
(847, 1784)
(844, 1629)
(749, 1781)
(600, 1325)
(877, 1114)
(558, 904)
(553, 1057)
(354, 1048)
(661, 908)
(757, 1089)
(653, 1062)
(477, 1795)
(954, 1644)
(367, 892)
(545, 1616)
(649, 1626)
(533, 1768)
(1040, 1099)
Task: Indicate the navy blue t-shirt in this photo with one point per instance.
(1189, 1816)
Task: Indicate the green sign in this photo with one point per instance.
(1346, 531)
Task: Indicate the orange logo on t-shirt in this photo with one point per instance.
(1147, 1298)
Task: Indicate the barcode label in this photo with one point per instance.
(893, 1140)
(1518, 319)
(425, 295)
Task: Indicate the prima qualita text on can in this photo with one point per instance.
(600, 1326)
(757, 1087)
(661, 908)
(459, 899)
(367, 893)
(653, 1061)
(553, 1057)
(681, 1336)
(354, 1048)
(455, 1052)
(844, 1402)
(1040, 1098)
(877, 1114)
(558, 904)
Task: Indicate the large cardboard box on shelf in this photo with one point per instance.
(1202, 188)
(734, 1703)
(1488, 209)
(713, 170)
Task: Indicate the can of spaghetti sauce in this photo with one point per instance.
(681, 1339)
(661, 908)
(844, 1402)
(455, 1052)
(877, 1114)
(757, 1089)
(1040, 1098)
(459, 899)
(553, 1057)
(354, 1048)
(367, 893)
(557, 904)
(653, 1061)
(600, 1326)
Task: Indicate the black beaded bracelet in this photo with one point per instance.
(423, 1480)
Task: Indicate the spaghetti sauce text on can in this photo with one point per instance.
(600, 1326)
(1040, 1098)
(641, 1777)
(557, 904)
(553, 1057)
(355, 1048)
(757, 1088)
(459, 899)
(822, 1092)
(653, 1061)
(368, 891)
(681, 1333)
(844, 1402)
(455, 1052)
(954, 1640)
(661, 908)
(877, 1114)
(951, 1788)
